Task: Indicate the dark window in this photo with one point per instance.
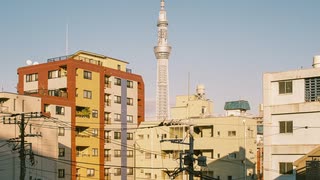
(117, 135)
(117, 99)
(59, 110)
(130, 101)
(285, 87)
(286, 126)
(87, 75)
(61, 173)
(61, 152)
(285, 168)
(117, 81)
(87, 94)
(95, 113)
(129, 84)
(61, 131)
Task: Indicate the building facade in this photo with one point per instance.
(40, 139)
(291, 109)
(104, 96)
(228, 143)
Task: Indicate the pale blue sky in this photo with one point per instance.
(225, 45)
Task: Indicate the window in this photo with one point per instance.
(32, 77)
(95, 132)
(232, 133)
(117, 135)
(129, 153)
(117, 81)
(129, 118)
(95, 113)
(54, 74)
(87, 75)
(117, 117)
(285, 87)
(129, 136)
(61, 131)
(94, 151)
(286, 126)
(129, 171)
(61, 152)
(232, 155)
(119, 67)
(229, 177)
(61, 173)
(312, 89)
(87, 94)
(117, 153)
(60, 110)
(117, 171)
(130, 101)
(285, 168)
(117, 99)
(90, 172)
(129, 84)
(148, 175)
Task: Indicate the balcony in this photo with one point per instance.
(107, 139)
(83, 112)
(107, 102)
(107, 157)
(107, 84)
(107, 120)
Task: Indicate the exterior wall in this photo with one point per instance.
(44, 144)
(288, 147)
(84, 141)
(191, 108)
(150, 152)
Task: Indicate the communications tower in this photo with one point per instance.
(162, 53)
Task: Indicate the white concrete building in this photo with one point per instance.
(291, 110)
(41, 139)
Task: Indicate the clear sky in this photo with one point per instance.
(226, 45)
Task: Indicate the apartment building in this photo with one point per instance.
(228, 143)
(41, 139)
(291, 111)
(106, 100)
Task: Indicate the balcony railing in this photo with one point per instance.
(107, 139)
(108, 84)
(107, 120)
(107, 102)
(107, 157)
(58, 58)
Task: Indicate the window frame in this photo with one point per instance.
(61, 173)
(90, 172)
(130, 101)
(117, 117)
(94, 113)
(95, 152)
(117, 135)
(285, 168)
(60, 110)
(87, 94)
(285, 87)
(87, 74)
(285, 127)
(62, 152)
(129, 84)
(117, 99)
(61, 131)
(117, 81)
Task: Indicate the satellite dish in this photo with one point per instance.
(29, 62)
(35, 63)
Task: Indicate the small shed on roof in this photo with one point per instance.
(237, 105)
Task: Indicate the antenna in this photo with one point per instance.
(67, 34)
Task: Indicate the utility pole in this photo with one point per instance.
(191, 141)
(22, 126)
(22, 150)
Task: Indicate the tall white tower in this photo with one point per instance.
(162, 52)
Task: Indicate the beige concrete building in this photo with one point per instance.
(195, 105)
(41, 141)
(291, 110)
(229, 143)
